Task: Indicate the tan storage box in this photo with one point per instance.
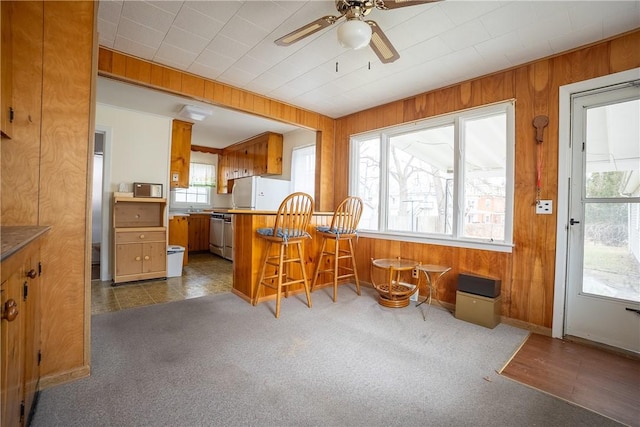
(483, 311)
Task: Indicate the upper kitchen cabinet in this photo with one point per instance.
(260, 155)
(180, 154)
(6, 71)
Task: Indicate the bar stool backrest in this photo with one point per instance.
(293, 217)
(347, 216)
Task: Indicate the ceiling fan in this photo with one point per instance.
(356, 32)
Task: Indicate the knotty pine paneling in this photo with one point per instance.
(192, 85)
(138, 70)
(528, 272)
(623, 52)
(20, 155)
(486, 263)
(116, 65)
(64, 176)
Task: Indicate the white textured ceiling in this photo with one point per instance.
(439, 43)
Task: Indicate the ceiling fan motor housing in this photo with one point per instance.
(354, 9)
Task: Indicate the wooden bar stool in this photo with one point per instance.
(290, 229)
(343, 228)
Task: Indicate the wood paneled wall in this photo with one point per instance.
(134, 70)
(528, 273)
(45, 167)
(66, 150)
(21, 154)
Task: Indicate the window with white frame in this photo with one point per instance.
(303, 169)
(445, 178)
(202, 179)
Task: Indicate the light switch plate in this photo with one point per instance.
(544, 207)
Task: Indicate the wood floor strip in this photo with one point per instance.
(595, 379)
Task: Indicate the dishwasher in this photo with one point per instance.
(216, 234)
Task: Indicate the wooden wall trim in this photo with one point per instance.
(120, 66)
(208, 150)
(66, 137)
(528, 273)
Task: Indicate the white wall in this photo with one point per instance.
(141, 146)
(139, 151)
(296, 138)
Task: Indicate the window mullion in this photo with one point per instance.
(458, 179)
(384, 182)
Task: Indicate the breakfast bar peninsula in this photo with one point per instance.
(249, 249)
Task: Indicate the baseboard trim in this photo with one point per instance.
(526, 326)
(64, 377)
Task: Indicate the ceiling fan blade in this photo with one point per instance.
(381, 44)
(394, 4)
(307, 30)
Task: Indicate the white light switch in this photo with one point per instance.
(544, 207)
(175, 177)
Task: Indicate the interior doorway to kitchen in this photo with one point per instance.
(96, 204)
(100, 209)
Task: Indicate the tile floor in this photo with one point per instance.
(206, 274)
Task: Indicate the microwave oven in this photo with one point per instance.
(143, 189)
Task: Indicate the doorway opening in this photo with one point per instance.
(96, 205)
(598, 257)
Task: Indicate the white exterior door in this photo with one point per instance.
(603, 253)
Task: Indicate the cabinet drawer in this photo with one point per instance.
(139, 236)
(138, 214)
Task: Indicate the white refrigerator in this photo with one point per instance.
(256, 192)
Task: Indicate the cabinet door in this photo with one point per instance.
(32, 328)
(194, 233)
(180, 154)
(6, 62)
(199, 232)
(274, 155)
(204, 239)
(12, 346)
(128, 259)
(154, 257)
(179, 235)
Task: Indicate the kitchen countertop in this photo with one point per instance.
(259, 212)
(17, 237)
(181, 213)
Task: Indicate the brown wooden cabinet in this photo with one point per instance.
(45, 173)
(179, 234)
(199, 232)
(6, 71)
(180, 154)
(260, 155)
(20, 334)
(140, 239)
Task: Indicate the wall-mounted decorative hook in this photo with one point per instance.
(540, 122)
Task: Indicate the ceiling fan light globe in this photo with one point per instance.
(354, 34)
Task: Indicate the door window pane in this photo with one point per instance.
(612, 150)
(611, 239)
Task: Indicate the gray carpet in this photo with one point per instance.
(218, 361)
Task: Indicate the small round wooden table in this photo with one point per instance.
(432, 273)
(394, 292)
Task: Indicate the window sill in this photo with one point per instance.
(467, 244)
